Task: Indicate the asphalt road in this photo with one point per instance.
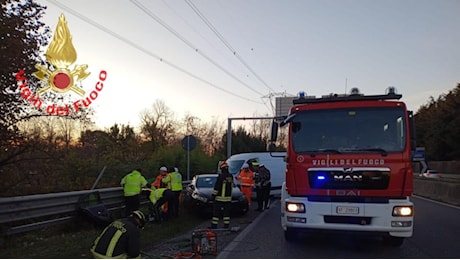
(436, 232)
(182, 243)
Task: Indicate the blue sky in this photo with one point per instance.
(162, 50)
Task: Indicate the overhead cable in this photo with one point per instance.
(225, 42)
(134, 45)
(188, 43)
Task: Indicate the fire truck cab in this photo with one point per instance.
(348, 165)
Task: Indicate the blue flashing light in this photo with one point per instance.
(320, 177)
(301, 94)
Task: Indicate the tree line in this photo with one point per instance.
(437, 126)
(58, 154)
(42, 153)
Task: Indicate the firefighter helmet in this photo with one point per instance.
(139, 215)
(224, 165)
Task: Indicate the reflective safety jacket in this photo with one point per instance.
(118, 240)
(158, 183)
(223, 187)
(246, 177)
(174, 181)
(156, 194)
(132, 183)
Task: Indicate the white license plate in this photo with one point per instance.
(347, 210)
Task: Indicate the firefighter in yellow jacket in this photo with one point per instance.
(222, 197)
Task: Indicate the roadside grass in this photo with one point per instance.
(73, 240)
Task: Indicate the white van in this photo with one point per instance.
(274, 162)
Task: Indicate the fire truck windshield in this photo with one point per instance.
(369, 129)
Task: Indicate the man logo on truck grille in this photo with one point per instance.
(348, 175)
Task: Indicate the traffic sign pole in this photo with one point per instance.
(188, 158)
(188, 143)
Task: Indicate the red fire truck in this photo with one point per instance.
(348, 165)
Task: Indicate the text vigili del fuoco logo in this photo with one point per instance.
(60, 78)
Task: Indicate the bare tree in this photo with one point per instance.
(261, 128)
(212, 136)
(191, 124)
(282, 139)
(208, 134)
(157, 125)
(67, 130)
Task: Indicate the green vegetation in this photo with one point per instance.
(438, 127)
(74, 240)
(43, 153)
(40, 164)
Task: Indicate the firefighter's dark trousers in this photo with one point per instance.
(221, 209)
(155, 209)
(132, 203)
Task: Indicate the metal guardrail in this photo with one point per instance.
(26, 213)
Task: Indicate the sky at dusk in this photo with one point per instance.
(215, 59)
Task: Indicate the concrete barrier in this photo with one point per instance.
(447, 191)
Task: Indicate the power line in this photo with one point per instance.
(134, 45)
(272, 95)
(188, 43)
(196, 31)
(225, 42)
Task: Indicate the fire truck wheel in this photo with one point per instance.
(393, 241)
(290, 234)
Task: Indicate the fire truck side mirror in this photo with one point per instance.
(274, 133)
(413, 142)
(271, 147)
